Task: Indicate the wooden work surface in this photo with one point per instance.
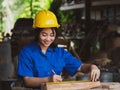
(108, 86)
(82, 85)
(77, 86)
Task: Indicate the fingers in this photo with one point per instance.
(95, 74)
(92, 76)
(57, 78)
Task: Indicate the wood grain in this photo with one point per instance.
(71, 85)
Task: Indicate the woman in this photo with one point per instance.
(42, 61)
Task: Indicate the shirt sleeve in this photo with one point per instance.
(72, 63)
(25, 63)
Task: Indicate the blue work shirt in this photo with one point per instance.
(33, 62)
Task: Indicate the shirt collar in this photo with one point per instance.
(36, 47)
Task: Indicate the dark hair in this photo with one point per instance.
(37, 33)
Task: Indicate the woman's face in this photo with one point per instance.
(46, 37)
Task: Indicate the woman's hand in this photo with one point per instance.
(92, 69)
(94, 73)
(55, 78)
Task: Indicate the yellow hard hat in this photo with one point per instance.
(45, 19)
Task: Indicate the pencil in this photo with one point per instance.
(53, 71)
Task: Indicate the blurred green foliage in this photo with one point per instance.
(22, 9)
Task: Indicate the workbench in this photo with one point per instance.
(108, 86)
(78, 85)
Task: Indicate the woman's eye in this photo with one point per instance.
(52, 35)
(44, 34)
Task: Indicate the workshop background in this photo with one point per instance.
(90, 30)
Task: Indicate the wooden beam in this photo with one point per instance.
(93, 3)
(71, 85)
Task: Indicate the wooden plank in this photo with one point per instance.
(21, 88)
(111, 85)
(71, 85)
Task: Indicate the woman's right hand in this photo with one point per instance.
(55, 78)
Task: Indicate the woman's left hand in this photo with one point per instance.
(95, 73)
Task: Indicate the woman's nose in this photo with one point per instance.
(48, 38)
